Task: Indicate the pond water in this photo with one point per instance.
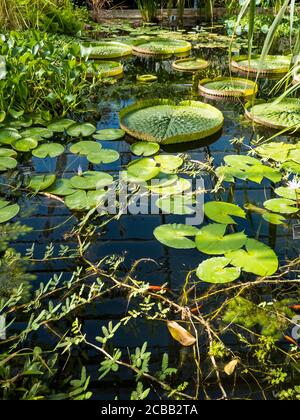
(132, 236)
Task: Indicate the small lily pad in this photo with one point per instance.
(216, 271)
(169, 163)
(143, 170)
(62, 187)
(81, 130)
(37, 132)
(221, 212)
(92, 180)
(144, 148)
(82, 200)
(85, 148)
(7, 163)
(50, 149)
(8, 136)
(61, 125)
(7, 152)
(273, 218)
(281, 205)
(104, 156)
(110, 134)
(176, 236)
(41, 182)
(8, 211)
(176, 204)
(25, 144)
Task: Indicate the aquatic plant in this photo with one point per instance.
(165, 122)
(228, 87)
(109, 49)
(105, 69)
(272, 65)
(190, 65)
(160, 46)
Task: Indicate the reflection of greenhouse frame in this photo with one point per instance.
(196, 65)
(180, 138)
(247, 88)
(241, 64)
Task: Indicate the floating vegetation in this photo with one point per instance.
(105, 69)
(109, 49)
(190, 65)
(165, 122)
(271, 65)
(160, 46)
(279, 114)
(146, 78)
(228, 87)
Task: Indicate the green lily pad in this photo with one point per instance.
(274, 219)
(61, 125)
(92, 180)
(82, 200)
(81, 130)
(289, 193)
(50, 149)
(110, 134)
(104, 156)
(7, 163)
(281, 205)
(162, 181)
(292, 167)
(8, 211)
(37, 132)
(169, 163)
(176, 236)
(85, 148)
(216, 271)
(7, 152)
(25, 144)
(62, 187)
(144, 148)
(279, 152)
(143, 170)
(41, 182)
(8, 136)
(212, 240)
(221, 212)
(178, 187)
(258, 258)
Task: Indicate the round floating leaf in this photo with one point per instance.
(7, 163)
(169, 163)
(25, 144)
(50, 149)
(62, 187)
(104, 156)
(190, 65)
(162, 121)
(82, 200)
(228, 87)
(143, 170)
(212, 240)
(292, 167)
(92, 180)
(163, 180)
(8, 136)
(272, 64)
(289, 193)
(86, 147)
(275, 151)
(144, 148)
(41, 182)
(146, 78)
(281, 205)
(110, 134)
(61, 125)
(274, 219)
(160, 46)
(7, 152)
(259, 259)
(221, 212)
(81, 130)
(109, 49)
(178, 187)
(37, 132)
(216, 271)
(283, 114)
(178, 204)
(8, 211)
(176, 236)
(105, 69)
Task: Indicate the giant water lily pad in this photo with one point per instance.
(216, 271)
(258, 258)
(228, 87)
(161, 46)
(105, 69)
(162, 121)
(8, 211)
(51, 150)
(281, 205)
(91, 180)
(190, 65)
(81, 130)
(42, 182)
(272, 64)
(221, 212)
(60, 126)
(109, 134)
(212, 240)
(280, 115)
(176, 236)
(109, 49)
